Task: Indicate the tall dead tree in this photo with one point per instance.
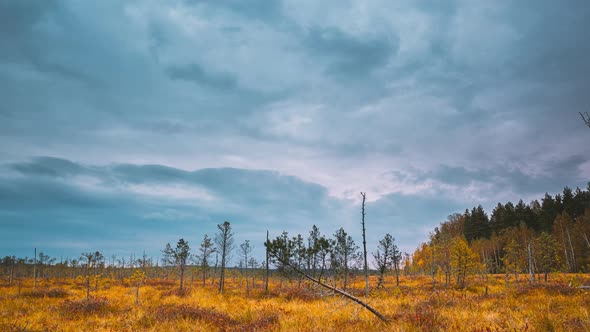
(366, 267)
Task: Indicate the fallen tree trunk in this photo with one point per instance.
(339, 291)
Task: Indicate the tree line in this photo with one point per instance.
(535, 239)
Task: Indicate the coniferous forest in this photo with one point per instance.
(545, 235)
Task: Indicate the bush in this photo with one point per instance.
(91, 306)
(46, 292)
(171, 312)
(176, 291)
(168, 312)
(160, 282)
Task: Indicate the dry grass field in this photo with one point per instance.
(558, 305)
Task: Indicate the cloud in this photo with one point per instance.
(280, 113)
(196, 74)
(348, 56)
(48, 166)
(152, 200)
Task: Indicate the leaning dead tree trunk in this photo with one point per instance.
(336, 290)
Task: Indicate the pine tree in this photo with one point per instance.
(547, 250)
(345, 252)
(178, 256)
(206, 249)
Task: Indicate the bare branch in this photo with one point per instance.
(586, 118)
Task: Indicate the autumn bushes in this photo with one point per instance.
(45, 292)
(153, 316)
(209, 316)
(92, 306)
(413, 306)
(177, 292)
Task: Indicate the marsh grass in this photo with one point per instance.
(413, 306)
(46, 292)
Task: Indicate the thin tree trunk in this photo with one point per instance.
(266, 268)
(569, 266)
(88, 280)
(366, 267)
(531, 264)
(571, 249)
(11, 272)
(345, 274)
(35, 270)
(204, 275)
(222, 271)
(181, 276)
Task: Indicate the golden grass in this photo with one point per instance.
(413, 306)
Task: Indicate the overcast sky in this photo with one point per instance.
(128, 124)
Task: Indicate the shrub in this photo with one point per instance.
(46, 292)
(175, 291)
(171, 312)
(167, 312)
(91, 306)
(160, 282)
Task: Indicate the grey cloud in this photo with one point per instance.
(31, 194)
(555, 176)
(263, 10)
(199, 75)
(408, 217)
(17, 22)
(49, 166)
(46, 200)
(238, 186)
(23, 39)
(348, 55)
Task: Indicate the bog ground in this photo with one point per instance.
(61, 305)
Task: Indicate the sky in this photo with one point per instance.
(125, 125)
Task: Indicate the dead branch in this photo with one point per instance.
(586, 118)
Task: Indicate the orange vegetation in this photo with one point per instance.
(413, 306)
